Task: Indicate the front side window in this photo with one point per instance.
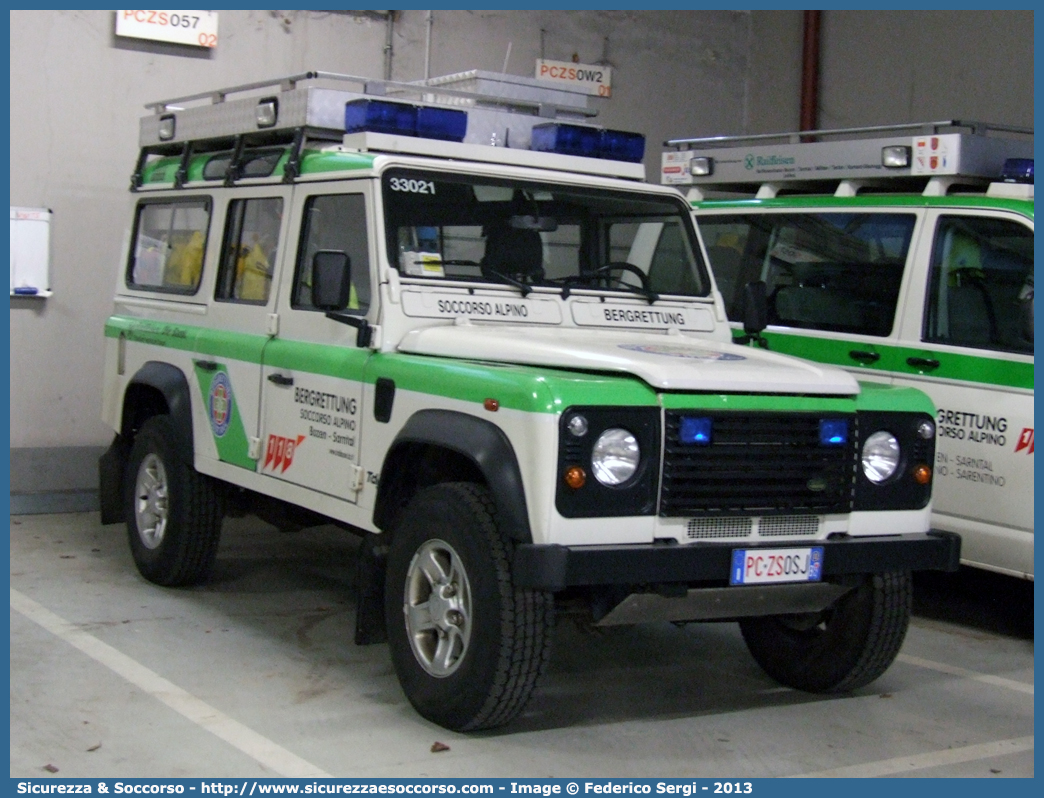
(249, 254)
(981, 289)
(823, 271)
(334, 223)
(170, 240)
(458, 227)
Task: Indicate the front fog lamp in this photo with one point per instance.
(615, 457)
(880, 457)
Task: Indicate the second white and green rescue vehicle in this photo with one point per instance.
(904, 254)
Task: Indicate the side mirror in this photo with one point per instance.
(755, 308)
(755, 313)
(331, 280)
(332, 291)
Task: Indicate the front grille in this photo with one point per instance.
(708, 527)
(803, 525)
(704, 528)
(757, 464)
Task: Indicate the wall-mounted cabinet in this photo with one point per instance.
(30, 252)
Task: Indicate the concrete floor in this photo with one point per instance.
(255, 674)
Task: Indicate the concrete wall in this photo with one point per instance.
(77, 93)
(915, 66)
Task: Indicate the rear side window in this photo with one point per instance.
(170, 239)
(839, 272)
(248, 256)
(981, 290)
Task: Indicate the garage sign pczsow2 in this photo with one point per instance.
(589, 78)
(194, 28)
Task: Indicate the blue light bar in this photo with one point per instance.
(1018, 170)
(588, 142)
(404, 119)
(446, 124)
(566, 139)
(833, 432)
(619, 145)
(380, 116)
(695, 430)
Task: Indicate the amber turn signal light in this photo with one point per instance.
(922, 475)
(575, 477)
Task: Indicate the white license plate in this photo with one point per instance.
(768, 566)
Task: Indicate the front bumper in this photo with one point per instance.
(553, 567)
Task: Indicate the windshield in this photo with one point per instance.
(458, 227)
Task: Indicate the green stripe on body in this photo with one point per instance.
(965, 368)
(827, 203)
(872, 396)
(530, 389)
(164, 170)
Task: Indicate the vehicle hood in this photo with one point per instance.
(665, 362)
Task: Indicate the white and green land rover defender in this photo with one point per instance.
(508, 369)
(904, 254)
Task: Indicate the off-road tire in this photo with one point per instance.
(843, 648)
(173, 512)
(506, 631)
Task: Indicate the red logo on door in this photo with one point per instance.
(1025, 441)
(280, 451)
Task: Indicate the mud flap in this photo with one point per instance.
(371, 563)
(111, 466)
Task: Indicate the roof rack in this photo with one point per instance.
(283, 112)
(930, 157)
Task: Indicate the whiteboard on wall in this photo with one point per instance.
(30, 252)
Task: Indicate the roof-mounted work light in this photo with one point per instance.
(701, 166)
(166, 127)
(266, 113)
(895, 157)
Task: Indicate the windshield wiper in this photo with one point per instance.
(526, 290)
(651, 296)
(586, 281)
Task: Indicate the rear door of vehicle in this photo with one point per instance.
(229, 346)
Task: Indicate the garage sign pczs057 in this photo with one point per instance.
(194, 28)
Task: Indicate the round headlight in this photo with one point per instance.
(880, 456)
(615, 456)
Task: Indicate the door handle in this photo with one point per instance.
(923, 362)
(280, 379)
(207, 365)
(863, 356)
